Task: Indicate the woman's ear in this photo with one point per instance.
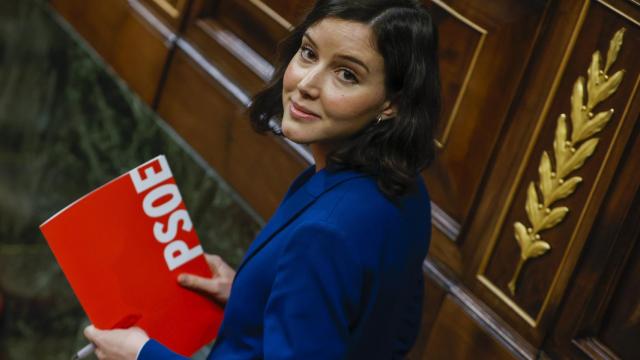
(389, 109)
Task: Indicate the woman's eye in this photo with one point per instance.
(348, 76)
(306, 53)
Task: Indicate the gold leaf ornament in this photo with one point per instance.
(538, 248)
(604, 88)
(614, 48)
(576, 159)
(571, 149)
(593, 126)
(529, 248)
(565, 189)
(532, 206)
(544, 170)
(522, 237)
(560, 145)
(579, 114)
(555, 216)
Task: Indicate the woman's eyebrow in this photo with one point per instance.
(354, 60)
(349, 58)
(306, 35)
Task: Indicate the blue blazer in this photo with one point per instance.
(336, 273)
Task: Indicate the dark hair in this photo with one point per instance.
(395, 150)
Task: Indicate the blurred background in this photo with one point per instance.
(67, 126)
(91, 88)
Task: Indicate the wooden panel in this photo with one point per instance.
(229, 54)
(621, 325)
(541, 283)
(172, 12)
(97, 21)
(443, 283)
(483, 53)
(260, 30)
(136, 49)
(259, 167)
(290, 10)
(434, 295)
(461, 339)
(457, 61)
(260, 24)
(239, 37)
(600, 315)
(443, 249)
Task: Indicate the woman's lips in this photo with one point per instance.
(300, 113)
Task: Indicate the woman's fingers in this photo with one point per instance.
(218, 266)
(219, 286)
(214, 261)
(88, 332)
(92, 334)
(118, 344)
(199, 283)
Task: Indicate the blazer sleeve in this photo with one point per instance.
(410, 321)
(315, 295)
(153, 350)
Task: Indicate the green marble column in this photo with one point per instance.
(68, 125)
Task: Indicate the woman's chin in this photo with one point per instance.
(294, 135)
(297, 140)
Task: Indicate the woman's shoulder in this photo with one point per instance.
(364, 193)
(359, 204)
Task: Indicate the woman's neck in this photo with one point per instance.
(319, 152)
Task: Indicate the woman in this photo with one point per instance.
(336, 273)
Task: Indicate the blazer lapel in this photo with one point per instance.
(303, 192)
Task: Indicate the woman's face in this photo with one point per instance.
(334, 85)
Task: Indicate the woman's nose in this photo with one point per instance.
(309, 84)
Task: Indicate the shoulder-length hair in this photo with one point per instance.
(395, 150)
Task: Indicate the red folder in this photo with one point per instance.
(122, 248)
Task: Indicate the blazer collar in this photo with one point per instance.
(303, 192)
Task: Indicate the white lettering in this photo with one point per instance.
(155, 171)
(165, 207)
(176, 217)
(161, 200)
(177, 253)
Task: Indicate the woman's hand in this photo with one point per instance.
(219, 286)
(119, 344)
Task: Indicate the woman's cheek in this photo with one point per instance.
(291, 77)
(344, 105)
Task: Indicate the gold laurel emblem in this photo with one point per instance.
(569, 155)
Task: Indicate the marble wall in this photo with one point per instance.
(68, 125)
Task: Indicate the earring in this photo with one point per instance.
(379, 118)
